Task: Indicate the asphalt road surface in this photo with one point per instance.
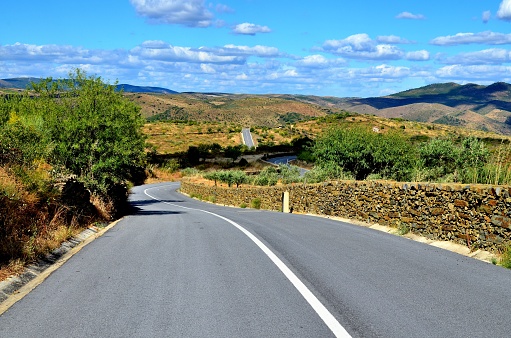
(183, 268)
(285, 160)
(247, 137)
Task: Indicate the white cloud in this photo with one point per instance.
(234, 50)
(207, 68)
(487, 56)
(475, 73)
(420, 55)
(487, 37)
(319, 61)
(158, 50)
(385, 71)
(504, 12)
(250, 29)
(361, 46)
(393, 39)
(408, 15)
(58, 54)
(191, 13)
(486, 16)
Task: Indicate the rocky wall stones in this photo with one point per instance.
(478, 216)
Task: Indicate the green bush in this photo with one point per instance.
(443, 160)
(267, 177)
(189, 172)
(505, 259)
(230, 177)
(326, 171)
(289, 174)
(256, 203)
(362, 152)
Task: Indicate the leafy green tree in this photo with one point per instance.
(238, 177)
(95, 130)
(233, 152)
(439, 156)
(268, 176)
(362, 152)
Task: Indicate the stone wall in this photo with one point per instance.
(478, 216)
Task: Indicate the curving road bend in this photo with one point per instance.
(183, 268)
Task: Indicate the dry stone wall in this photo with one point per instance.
(478, 216)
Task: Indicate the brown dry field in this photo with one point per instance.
(168, 137)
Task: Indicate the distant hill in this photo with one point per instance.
(18, 83)
(24, 82)
(473, 106)
(138, 89)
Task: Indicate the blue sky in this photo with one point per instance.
(322, 47)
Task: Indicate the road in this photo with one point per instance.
(184, 268)
(286, 160)
(247, 137)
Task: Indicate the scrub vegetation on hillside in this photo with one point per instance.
(69, 149)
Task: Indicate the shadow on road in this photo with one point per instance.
(140, 212)
(137, 208)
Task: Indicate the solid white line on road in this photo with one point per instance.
(332, 323)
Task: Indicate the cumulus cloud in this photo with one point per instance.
(420, 55)
(191, 13)
(161, 51)
(487, 56)
(385, 71)
(361, 46)
(319, 61)
(58, 54)
(393, 40)
(487, 37)
(411, 16)
(234, 50)
(250, 29)
(475, 73)
(486, 16)
(504, 12)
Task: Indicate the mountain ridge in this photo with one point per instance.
(24, 83)
(473, 106)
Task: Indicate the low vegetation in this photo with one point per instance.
(69, 150)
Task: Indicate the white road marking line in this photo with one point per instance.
(332, 323)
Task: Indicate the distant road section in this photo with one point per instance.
(285, 160)
(246, 136)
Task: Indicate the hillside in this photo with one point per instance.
(472, 106)
(249, 110)
(478, 107)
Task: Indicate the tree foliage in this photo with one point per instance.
(81, 125)
(95, 130)
(362, 152)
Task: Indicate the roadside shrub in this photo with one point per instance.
(289, 174)
(442, 160)
(229, 177)
(212, 176)
(171, 165)
(189, 172)
(267, 177)
(362, 152)
(326, 171)
(256, 203)
(505, 259)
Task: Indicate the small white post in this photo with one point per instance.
(285, 202)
